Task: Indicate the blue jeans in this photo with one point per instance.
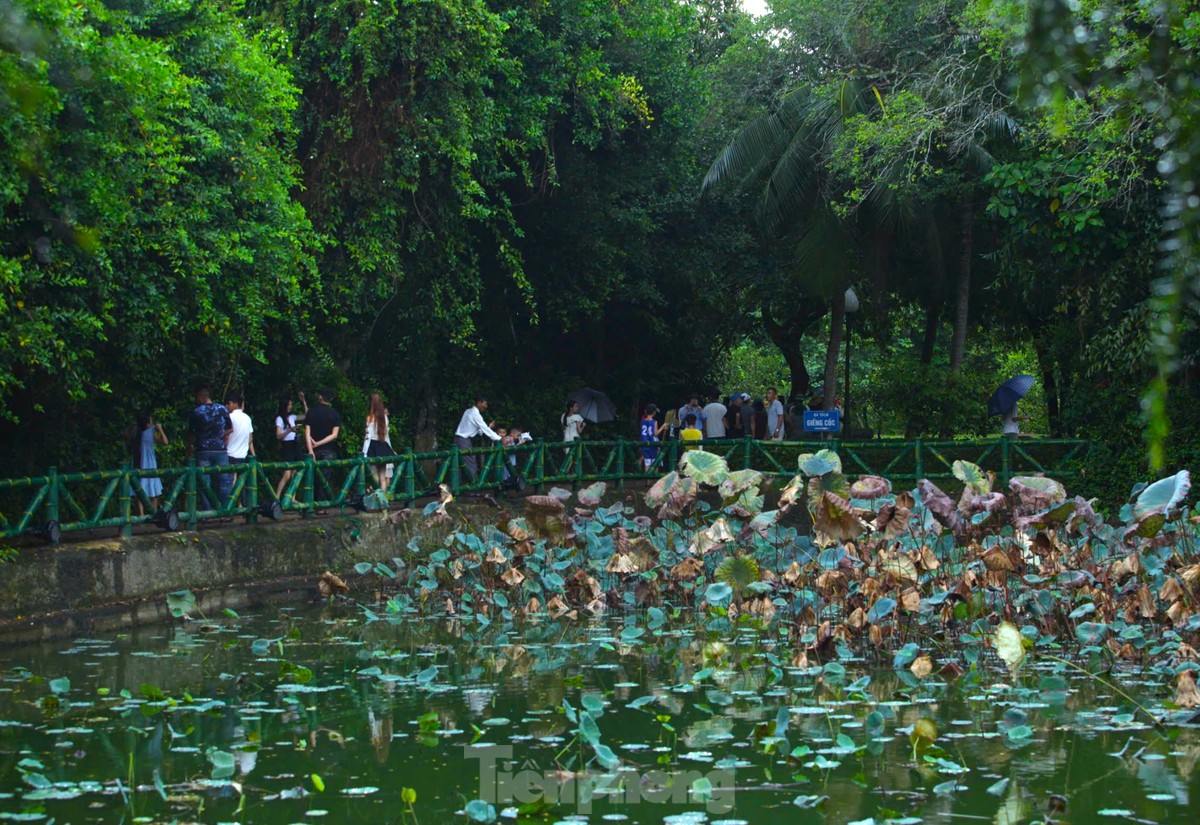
(215, 458)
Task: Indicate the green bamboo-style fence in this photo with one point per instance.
(57, 503)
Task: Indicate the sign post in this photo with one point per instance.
(822, 421)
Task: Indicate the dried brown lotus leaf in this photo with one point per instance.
(857, 619)
(996, 558)
(513, 577)
(922, 667)
(1186, 695)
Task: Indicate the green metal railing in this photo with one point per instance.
(57, 503)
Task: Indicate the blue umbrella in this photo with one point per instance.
(1010, 392)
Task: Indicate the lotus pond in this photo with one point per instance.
(313, 715)
(898, 657)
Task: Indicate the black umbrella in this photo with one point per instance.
(594, 405)
(1010, 392)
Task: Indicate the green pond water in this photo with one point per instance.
(230, 720)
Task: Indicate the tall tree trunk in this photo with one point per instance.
(1050, 388)
(837, 320)
(798, 371)
(933, 319)
(962, 296)
(427, 419)
(786, 335)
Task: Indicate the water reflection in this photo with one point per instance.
(244, 719)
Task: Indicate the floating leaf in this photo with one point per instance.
(181, 603)
(479, 811)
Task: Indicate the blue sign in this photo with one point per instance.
(822, 421)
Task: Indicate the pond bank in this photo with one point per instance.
(50, 593)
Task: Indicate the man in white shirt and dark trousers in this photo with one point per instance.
(241, 439)
(470, 427)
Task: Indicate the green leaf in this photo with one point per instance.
(1162, 496)
(181, 603)
(479, 811)
(972, 476)
(819, 463)
(706, 468)
(718, 594)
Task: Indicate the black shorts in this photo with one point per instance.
(291, 451)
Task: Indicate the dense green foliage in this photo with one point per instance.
(431, 199)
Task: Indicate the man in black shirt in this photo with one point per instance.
(324, 425)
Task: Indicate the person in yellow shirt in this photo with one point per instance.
(691, 433)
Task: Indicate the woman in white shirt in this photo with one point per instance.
(572, 422)
(378, 441)
(286, 427)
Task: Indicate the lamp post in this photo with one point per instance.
(851, 308)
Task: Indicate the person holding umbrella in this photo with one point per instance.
(572, 422)
(1004, 404)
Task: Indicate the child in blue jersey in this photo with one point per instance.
(649, 432)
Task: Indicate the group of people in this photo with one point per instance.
(222, 435)
(737, 416)
(472, 429)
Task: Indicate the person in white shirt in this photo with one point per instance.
(572, 422)
(470, 427)
(1012, 422)
(240, 444)
(774, 415)
(714, 419)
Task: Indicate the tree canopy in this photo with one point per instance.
(436, 198)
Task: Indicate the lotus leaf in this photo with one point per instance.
(973, 477)
(1037, 492)
(706, 468)
(656, 496)
(736, 482)
(836, 520)
(747, 505)
(739, 572)
(819, 463)
(940, 505)
(591, 495)
(1010, 646)
(715, 536)
(1162, 496)
(870, 488)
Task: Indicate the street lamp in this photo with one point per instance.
(851, 308)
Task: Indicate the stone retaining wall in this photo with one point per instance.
(51, 592)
